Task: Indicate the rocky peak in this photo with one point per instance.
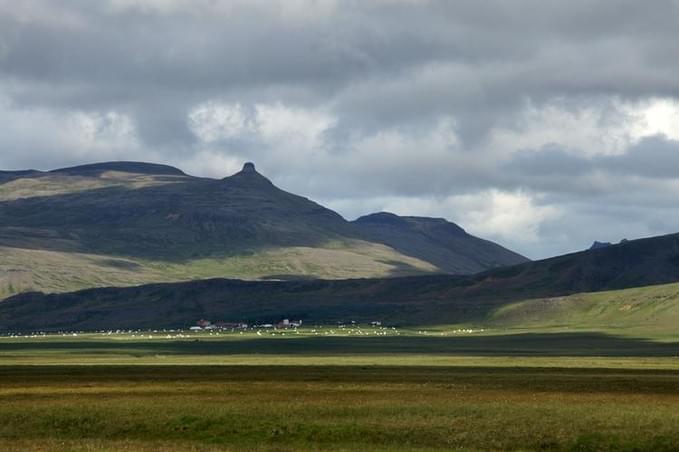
(597, 245)
(249, 176)
(248, 167)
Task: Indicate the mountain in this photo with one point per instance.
(438, 241)
(147, 210)
(417, 300)
(97, 169)
(130, 223)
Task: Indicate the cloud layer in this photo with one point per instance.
(542, 124)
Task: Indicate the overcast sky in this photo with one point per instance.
(543, 125)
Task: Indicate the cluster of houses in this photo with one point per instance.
(203, 324)
(287, 323)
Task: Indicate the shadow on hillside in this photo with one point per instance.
(520, 345)
(174, 222)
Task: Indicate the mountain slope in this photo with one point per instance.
(167, 214)
(6, 176)
(99, 225)
(128, 223)
(417, 300)
(640, 311)
(438, 241)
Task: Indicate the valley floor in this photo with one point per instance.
(402, 390)
(337, 408)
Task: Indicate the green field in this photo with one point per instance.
(331, 388)
(335, 346)
(337, 408)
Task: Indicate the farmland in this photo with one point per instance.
(405, 389)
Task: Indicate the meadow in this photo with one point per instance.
(350, 389)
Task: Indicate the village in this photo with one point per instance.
(284, 324)
(203, 324)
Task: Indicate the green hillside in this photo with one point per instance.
(647, 311)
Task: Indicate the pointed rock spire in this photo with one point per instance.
(249, 176)
(249, 167)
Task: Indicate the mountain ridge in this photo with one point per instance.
(447, 245)
(122, 166)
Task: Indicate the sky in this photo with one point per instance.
(543, 125)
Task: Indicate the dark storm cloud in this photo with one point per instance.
(654, 157)
(509, 48)
(549, 161)
(407, 99)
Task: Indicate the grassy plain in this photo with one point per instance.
(350, 389)
(444, 345)
(336, 408)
